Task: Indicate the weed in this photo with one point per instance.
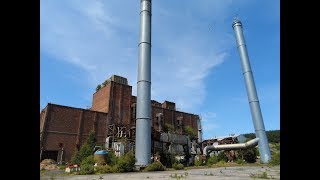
(177, 176)
(208, 174)
(264, 175)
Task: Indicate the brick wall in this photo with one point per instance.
(70, 127)
(171, 117)
(100, 100)
(120, 103)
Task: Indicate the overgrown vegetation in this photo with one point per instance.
(177, 166)
(98, 87)
(105, 169)
(85, 150)
(199, 162)
(190, 131)
(240, 161)
(212, 160)
(208, 174)
(87, 165)
(155, 166)
(249, 155)
(275, 159)
(168, 128)
(273, 136)
(179, 176)
(222, 157)
(85, 158)
(111, 159)
(264, 175)
(125, 163)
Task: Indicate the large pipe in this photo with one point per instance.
(143, 116)
(252, 94)
(249, 144)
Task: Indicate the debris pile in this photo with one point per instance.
(48, 164)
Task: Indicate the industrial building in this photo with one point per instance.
(112, 117)
(123, 122)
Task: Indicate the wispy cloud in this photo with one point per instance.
(209, 124)
(101, 37)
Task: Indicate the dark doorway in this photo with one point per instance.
(49, 155)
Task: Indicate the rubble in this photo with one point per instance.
(48, 164)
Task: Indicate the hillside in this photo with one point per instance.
(272, 135)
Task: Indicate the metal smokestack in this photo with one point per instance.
(199, 130)
(252, 94)
(143, 116)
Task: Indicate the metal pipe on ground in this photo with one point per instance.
(249, 144)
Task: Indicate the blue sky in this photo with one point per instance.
(195, 62)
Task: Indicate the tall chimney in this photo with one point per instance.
(199, 130)
(143, 125)
(252, 94)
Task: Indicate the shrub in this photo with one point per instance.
(111, 158)
(85, 150)
(62, 166)
(86, 166)
(88, 160)
(155, 166)
(76, 158)
(212, 160)
(104, 169)
(86, 169)
(198, 163)
(275, 159)
(98, 87)
(240, 161)
(178, 166)
(250, 155)
(221, 163)
(126, 163)
(222, 157)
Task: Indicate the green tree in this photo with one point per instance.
(85, 150)
(272, 135)
(190, 131)
(91, 140)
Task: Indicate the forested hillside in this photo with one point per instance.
(273, 136)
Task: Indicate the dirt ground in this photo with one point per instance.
(238, 172)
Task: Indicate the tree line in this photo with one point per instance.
(272, 135)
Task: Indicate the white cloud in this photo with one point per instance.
(101, 37)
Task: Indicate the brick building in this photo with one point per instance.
(64, 129)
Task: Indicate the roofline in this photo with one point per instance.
(113, 82)
(51, 104)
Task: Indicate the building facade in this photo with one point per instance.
(112, 117)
